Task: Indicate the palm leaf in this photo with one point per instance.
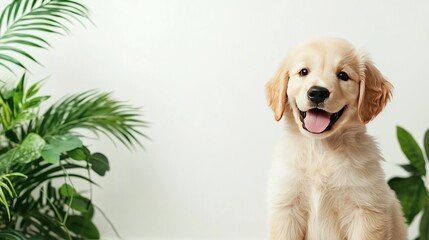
(94, 111)
(22, 20)
(39, 210)
(11, 235)
(6, 184)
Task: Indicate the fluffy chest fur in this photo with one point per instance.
(323, 176)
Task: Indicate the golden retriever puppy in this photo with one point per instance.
(326, 181)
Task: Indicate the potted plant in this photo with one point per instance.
(412, 191)
(42, 153)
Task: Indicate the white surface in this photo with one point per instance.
(199, 69)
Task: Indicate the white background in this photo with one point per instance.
(199, 68)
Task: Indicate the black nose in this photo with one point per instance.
(318, 94)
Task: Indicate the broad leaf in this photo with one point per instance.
(411, 192)
(81, 204)
(68, 191)
(29, 150)
(424, 224)
(59, 144)
(411, 149)
(83, 227)
(99, 163)
(81, 153)
(89, 214)
(50, 154)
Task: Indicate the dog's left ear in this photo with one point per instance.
(375, 92)
(275, 92)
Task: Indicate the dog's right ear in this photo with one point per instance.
(375, 92)
(275, 91)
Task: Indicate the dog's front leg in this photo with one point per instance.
(287, 223)
(366, 224)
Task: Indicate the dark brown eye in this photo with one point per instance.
(343, 76)
(303, 72)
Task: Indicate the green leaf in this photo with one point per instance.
(17, 50)
(22, 20)
(7, 188)
(9, 234)
(411, 192)
(19, 89)
(411, 169)
(411, 149)
(89, 214)
(58, 145)
(33, 89)
(81, 204)
(426, 144)
(99, 163)
(11, 60)
(83, 227)
(96, 112)
(24, 36)
(34, 102)
(25, 43)
(67, 190)
(29, 150)
(424, 224)
(50, 154)
(81, 153)
(22, 117)
(9, 69)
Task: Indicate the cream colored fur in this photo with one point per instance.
(330, 186)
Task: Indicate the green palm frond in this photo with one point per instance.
(22, 20)
(6, 184)
(94, 111)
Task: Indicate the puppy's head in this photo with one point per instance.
(325, 85)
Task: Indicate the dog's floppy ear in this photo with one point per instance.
(275, 91)
(375, 92)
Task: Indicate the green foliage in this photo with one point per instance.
(412, 150)
(49, 146)
(27, 151)
(94, 111)
(39, 150)
(83, 226)
(6, 185)
(11, 235)
(99, 163)
(411, 191)
(424, 224)
(22, 21)
(18, 104)
(59, 144)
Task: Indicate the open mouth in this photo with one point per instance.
(318, 121)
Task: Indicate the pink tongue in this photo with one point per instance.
(316, 120)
